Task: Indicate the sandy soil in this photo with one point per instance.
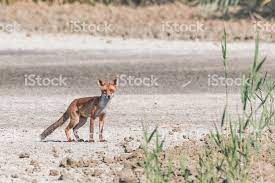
(181, 112)
(25, 118)
(172, 21)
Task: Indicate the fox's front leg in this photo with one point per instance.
(101, 125)
(92, 124)
(91, 135)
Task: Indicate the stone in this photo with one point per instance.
(24, 155)
(127, 175)
(54, 173)
(15, 176)
(108, 160)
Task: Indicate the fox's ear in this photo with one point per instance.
(100, 83)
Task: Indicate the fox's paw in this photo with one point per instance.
(80, 140)
(91, 140)
(102, 140)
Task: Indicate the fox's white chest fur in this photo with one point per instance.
(102, 105)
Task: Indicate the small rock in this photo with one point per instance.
(15, 176)
(54, 173)
(87, 171)
(96, 173)
(24, 155)
(34, 163)
(108, 160)
(67, 162)
(133, 164)
(61, 177)
(128, 139)
(139, 153)
(56, 152)
(185, 137)
(68, 151)
(101, 153)
(35, 168)
(123, 157)
(127, 175)
(127, 148)
(29, 170)
(88, 163)
(90, 172)
(176, 129)
(28, 34)
(66, 176)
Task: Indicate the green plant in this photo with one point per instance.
(228, 151)
(152, 164)
(227, 156)
(220, 5)
(185, 173)
(224, 5)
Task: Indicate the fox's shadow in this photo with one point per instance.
(59, 141)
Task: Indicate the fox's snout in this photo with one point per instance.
(108, 96)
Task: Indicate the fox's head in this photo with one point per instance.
(107, 88)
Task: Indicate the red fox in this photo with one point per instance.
(83, 108)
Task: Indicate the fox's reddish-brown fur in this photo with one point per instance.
(83, 108)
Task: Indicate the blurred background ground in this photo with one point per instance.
(168, 21)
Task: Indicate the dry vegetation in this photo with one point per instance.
(172, 21)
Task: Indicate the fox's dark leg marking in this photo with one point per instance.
(82, 121)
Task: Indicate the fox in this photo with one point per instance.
(81, 109)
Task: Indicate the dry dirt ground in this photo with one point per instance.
(183, 104)
(172, 21)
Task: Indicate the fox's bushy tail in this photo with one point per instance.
(54, 126)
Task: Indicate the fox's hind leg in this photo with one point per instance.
(74, 120)
(82, 121)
